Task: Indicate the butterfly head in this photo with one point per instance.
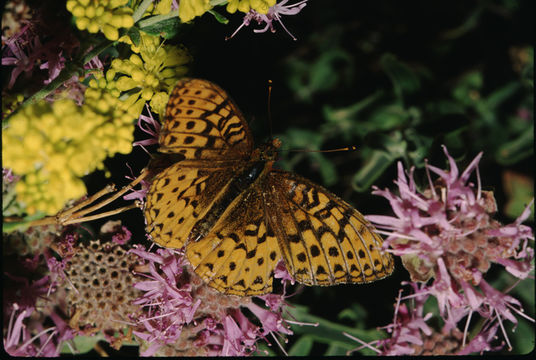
(268, 150)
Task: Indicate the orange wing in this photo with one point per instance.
(240, 253)
(203, 123)
(323, 239)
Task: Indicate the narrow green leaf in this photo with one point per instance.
(221, 19)
(501, 95)
(134, 34)
(342, 115)
(167, 27)
(337, 350)
(140, 10)
(518, 149)
(302, 346)
(403, 78)
(374, 167)
(328, 332)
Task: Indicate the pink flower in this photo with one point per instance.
(19, 342)
(20, 53)
(274, 13)
(8, 176)
(150, 126)
(168, 304)
(17, 333)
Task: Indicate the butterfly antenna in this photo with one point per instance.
(348, 148)
(269, 106)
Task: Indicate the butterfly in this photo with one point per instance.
(237, 216)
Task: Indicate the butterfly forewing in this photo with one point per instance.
(323, 239)
(202, 122)
(179, 197)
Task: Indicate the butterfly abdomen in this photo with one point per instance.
(237, 186)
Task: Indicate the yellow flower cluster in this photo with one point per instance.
(10, 102)
(161, 8)
(52, 145)
(260, 6)
(147, 75)
(189, 9)
(104, 15)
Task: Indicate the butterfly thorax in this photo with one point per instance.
(246, 176)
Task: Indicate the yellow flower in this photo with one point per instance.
(260, 6)
(163, 7)
(52, 145)
(106, 16)
(188, 9)
(147, 75)
(10, 102)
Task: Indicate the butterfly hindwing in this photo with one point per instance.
(240, 253)
(324, 240)
(202, 122)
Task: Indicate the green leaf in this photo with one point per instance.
(355, 313)
(323, 73)
(374, 167)
(328, 332)
(337, 350)
(421, 145)
(403, 78)
(134, 34)
(344, 119)
(445, 107)
(501, 95)
(455, 139)
(82, 344)
(467, 90)
(167, 28)
(516, 150)
(140, 10)
(219, 17)
(388, 117)
(519, 191)
(469, 24)
(302, 347)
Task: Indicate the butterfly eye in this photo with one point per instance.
(269, 154)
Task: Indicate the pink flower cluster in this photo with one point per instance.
(274, 13)
(447, 240)
(172, 303)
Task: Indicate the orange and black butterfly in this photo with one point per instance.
(237, 216)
